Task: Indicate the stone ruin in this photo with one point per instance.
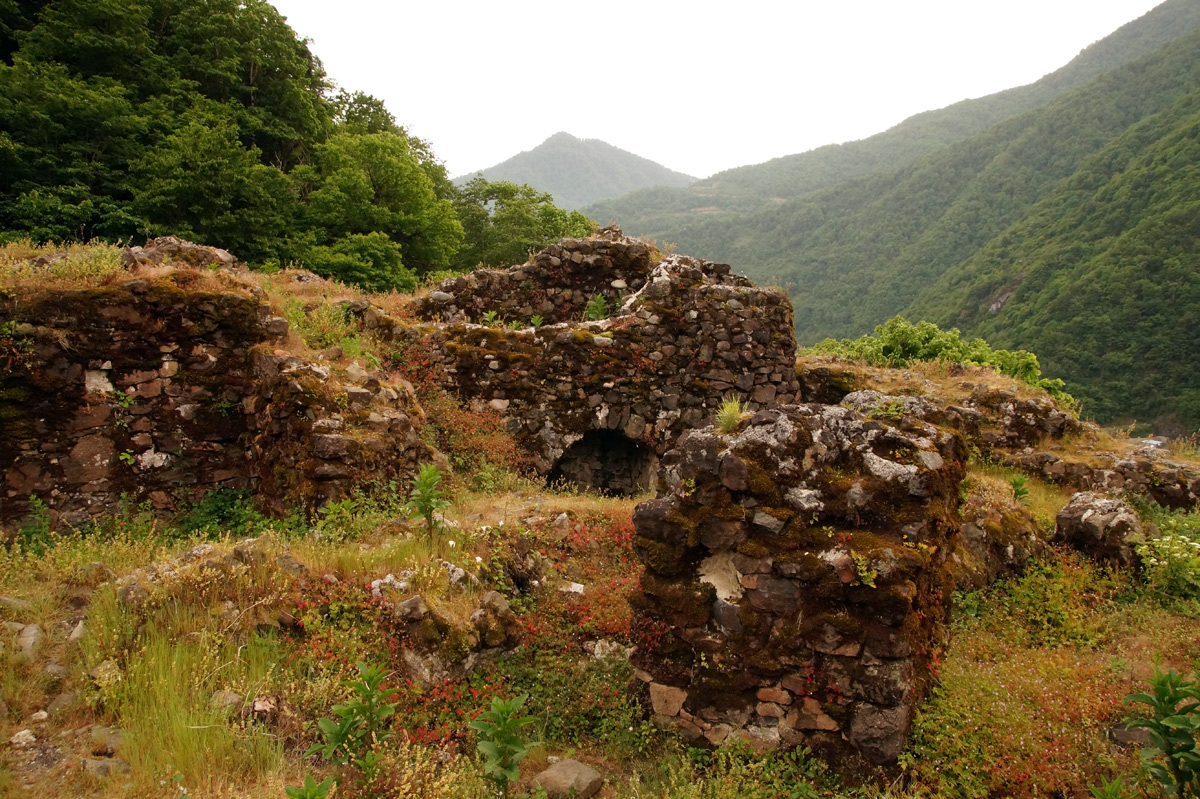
(798, 578)
(598, 402)
(797, 568)
(155, 390)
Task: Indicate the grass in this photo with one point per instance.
(1043, 500)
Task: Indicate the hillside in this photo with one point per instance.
(581, 171)
(1101, 276)
(666, 213)
(856, 254)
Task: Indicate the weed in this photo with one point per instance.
(500, 740)
(892, 410)
(536, 321)
(729, 414)
(427, 497)
(491, 318)
(311, 789)
(1172, 760)
(33, 535)
(597, 309)
(359, 726)
(1019, 488)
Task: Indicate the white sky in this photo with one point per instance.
(697, 86)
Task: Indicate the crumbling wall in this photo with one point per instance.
(150, 389)
(692, 334)
(797, 578)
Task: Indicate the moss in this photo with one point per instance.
(664, 559)
(753, 549)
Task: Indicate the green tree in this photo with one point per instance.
(502, 222)
(370, 182)
(202, 183)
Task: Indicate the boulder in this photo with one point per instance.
(568, 779)
(1106, 530)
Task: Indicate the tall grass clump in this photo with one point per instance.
(729, 414)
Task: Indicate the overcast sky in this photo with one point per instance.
(696, 86)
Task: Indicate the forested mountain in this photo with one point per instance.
(212, 120)
(581, 171)
(1068, 230)
(665, 213)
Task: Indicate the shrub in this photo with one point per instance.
(898, 343)
(371, 261)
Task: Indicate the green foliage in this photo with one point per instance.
(33, 533)
(427, 497)
(504, 222)
(1020, 489)
(500, 740)
(898, 343)
(212, 121)
(311, 789)
(322, 326)
(1171, 560)
(1172, 759)
(224, 512)
(597, 309)
(371, 261)
(360, 725)
(729, 414)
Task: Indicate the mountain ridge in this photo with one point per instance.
(578, 172)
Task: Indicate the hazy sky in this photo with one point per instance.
(696, 86)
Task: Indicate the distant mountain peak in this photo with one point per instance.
(582, 171)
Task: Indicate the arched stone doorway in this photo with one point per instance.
(608, 462)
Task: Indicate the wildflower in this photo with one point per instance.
(451, 543)
(478, 559)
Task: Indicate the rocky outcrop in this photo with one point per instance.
(797, 578)
(1013, 431)
(1106, 530)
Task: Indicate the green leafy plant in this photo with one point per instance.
(359, 726)
(127, 457)
(1172, 759)
(862, 568)
(892, 410)
(597, 309)
(34, 533)
(729, 414)
(536, 321)
(1109, 790)
(311, 789)
(491, 318)
(1019, 488)
(500, 740)
(427, 497)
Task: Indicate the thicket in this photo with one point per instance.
(898, 343)
(213, 121)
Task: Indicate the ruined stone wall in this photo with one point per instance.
(797, 578)
(692, 334)
(151, 390)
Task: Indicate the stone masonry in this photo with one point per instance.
(798, 578)
(685, 334)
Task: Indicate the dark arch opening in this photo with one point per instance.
(607, 462)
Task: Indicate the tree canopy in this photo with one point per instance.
(212, 120)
